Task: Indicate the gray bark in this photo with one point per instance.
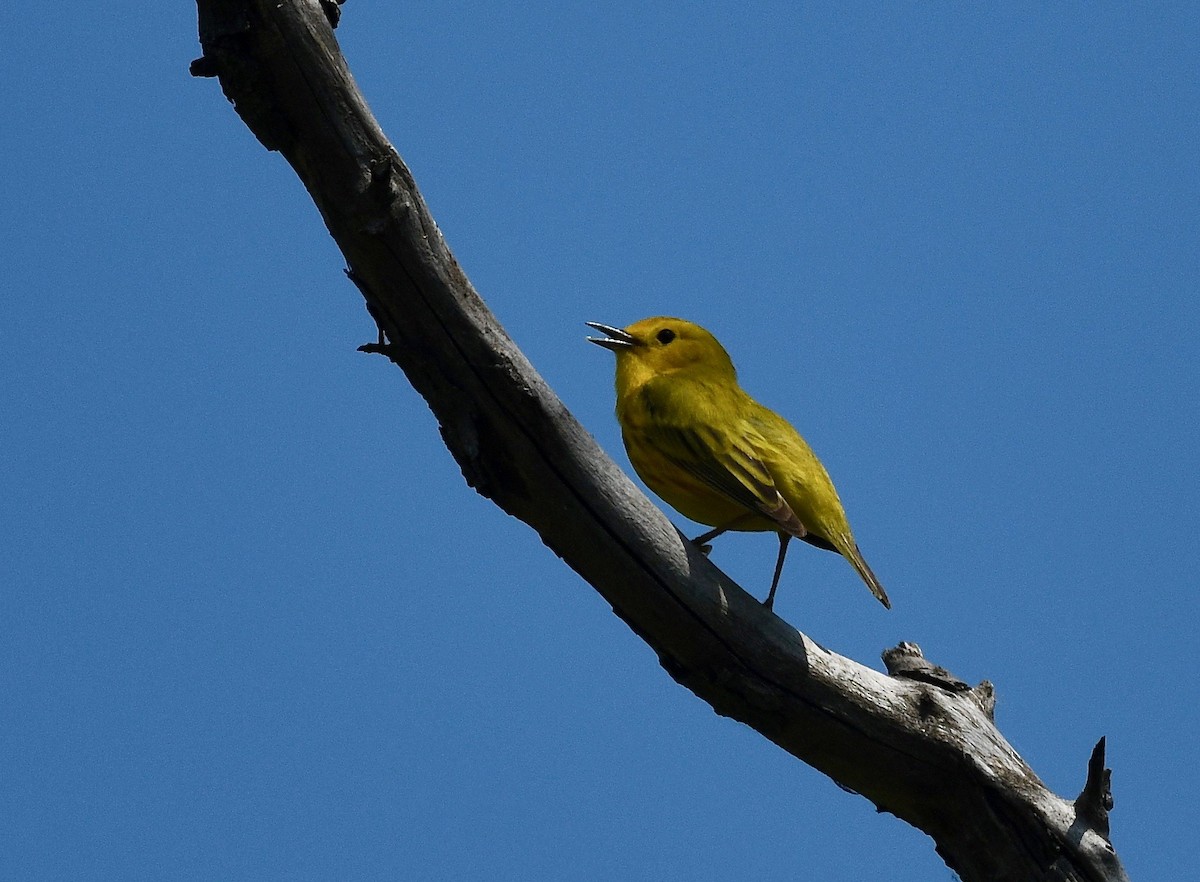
(916, 742)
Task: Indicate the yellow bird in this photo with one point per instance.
(714, 453)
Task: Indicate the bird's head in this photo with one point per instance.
(662, 345)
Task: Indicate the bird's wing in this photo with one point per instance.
(729, 464)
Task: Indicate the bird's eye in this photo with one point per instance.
(665, 336)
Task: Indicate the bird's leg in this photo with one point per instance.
(784, 538)
(702, 541)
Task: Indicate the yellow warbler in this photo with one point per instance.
(714, 453)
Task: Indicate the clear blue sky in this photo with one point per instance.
(255, 626)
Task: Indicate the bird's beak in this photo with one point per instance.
(616, 339)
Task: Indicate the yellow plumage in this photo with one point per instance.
(714, 453)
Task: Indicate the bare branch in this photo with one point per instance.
(918, 744)
(1094, 802)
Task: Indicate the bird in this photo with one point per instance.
(712, 452)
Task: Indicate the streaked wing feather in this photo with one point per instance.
(729, 467)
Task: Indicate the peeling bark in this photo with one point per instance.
(918, 742)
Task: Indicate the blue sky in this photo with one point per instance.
(254, 625)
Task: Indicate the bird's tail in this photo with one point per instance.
(855, 557)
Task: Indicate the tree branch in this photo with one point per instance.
(918, 743)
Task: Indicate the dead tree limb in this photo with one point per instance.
(917, 742)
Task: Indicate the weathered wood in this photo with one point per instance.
(918, 744)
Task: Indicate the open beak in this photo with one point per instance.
(616, 339)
